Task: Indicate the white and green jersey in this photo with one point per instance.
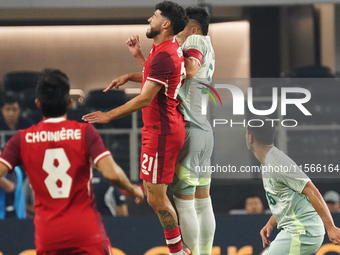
(284, 182)
(198, 47)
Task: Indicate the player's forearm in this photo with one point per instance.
(272, 221)
(123, 182)
(140, 59)
(131, 106)
(7, 185)
(136, 77)
(112, 172)
(319, 205)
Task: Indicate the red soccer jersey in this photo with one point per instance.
(56, 156)
(164, 66)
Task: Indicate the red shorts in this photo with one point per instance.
(159, 156)
(95, 249)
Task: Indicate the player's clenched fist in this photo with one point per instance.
(138, 193)
(134, 45)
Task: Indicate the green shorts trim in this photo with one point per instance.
(185, 182)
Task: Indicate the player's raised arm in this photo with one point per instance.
(111, 171)
(321, 208)
(121, 80)
(135, 48)
(143, 100)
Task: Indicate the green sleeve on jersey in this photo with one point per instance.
(295, 180)
(194, 42)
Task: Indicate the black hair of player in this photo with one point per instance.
(53, 90)
(264, 134)
(175, 14)
(9, 98)
(200, 15)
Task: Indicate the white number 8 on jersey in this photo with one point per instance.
(56, 164)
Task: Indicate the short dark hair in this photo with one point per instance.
(200, 15)
(53, 90)
(175, 14)
(9, 98)
(265, 134)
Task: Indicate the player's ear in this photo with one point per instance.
(69, 103)
(251, 138)
(37, 103)
(194, 30)
(166, 24)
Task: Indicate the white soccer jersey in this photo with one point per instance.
(200, 48)
(283, 182)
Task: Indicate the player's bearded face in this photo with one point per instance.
(155, 22)
(152, 32)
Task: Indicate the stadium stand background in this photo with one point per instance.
(252, 39)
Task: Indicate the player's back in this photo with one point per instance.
(55, 156)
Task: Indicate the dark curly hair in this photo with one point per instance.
(201, 15)
(175, 14)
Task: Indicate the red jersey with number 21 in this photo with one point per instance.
(56, 156)
(164, 66)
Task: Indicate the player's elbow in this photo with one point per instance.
(310, 190)
(145, 102)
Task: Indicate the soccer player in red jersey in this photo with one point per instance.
(56, 155)
(163, 132)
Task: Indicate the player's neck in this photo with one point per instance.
(63, 116)
(261, 152)
(158, 39)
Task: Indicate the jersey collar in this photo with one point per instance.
(54, 120)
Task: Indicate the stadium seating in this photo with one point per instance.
(312, 71)
(18, 81)
(97, 100)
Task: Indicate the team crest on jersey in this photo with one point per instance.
(180, 52)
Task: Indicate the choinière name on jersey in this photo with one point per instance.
(56, 136)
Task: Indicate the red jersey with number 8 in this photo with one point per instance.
(56, 156)
(164, 66)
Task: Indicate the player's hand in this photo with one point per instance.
(96, 117)
(265, 233)
(138, 193)
(334, 235)
(134, 46)
(116, 83)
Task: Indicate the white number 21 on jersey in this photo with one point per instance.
(56, 164)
